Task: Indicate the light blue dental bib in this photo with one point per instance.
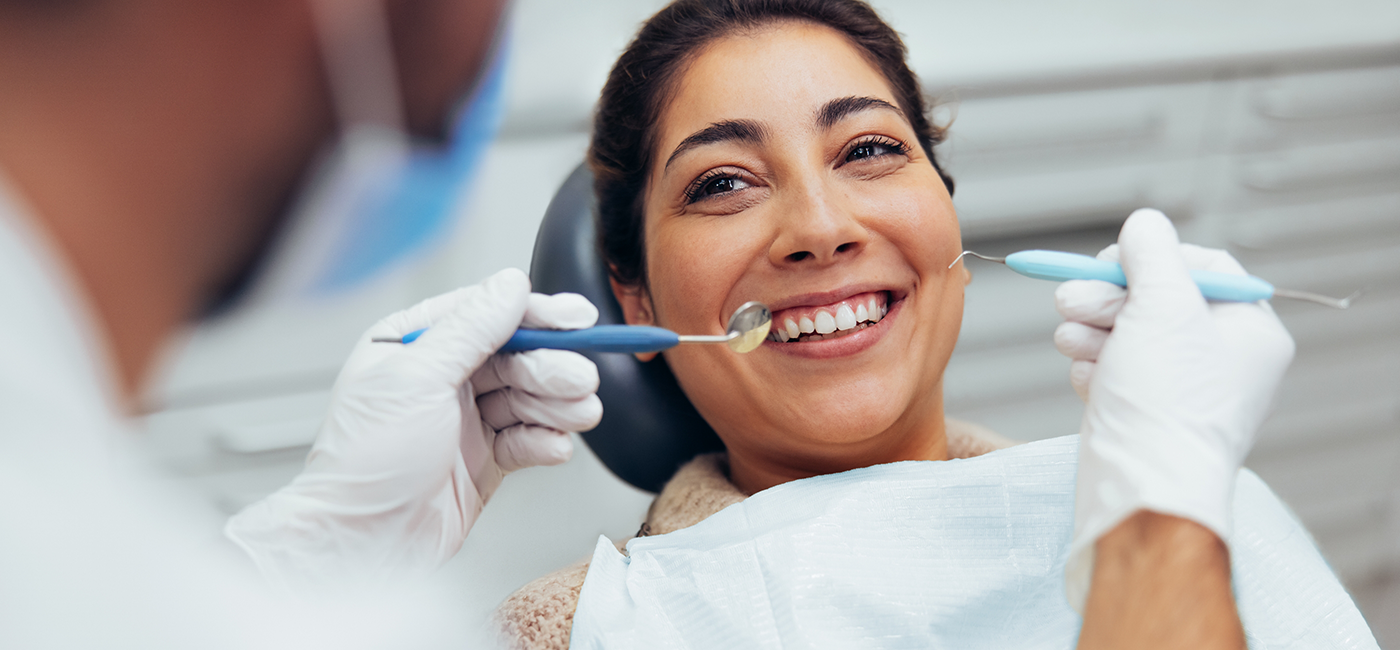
(956, 554)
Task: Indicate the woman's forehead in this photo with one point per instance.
(781, 77)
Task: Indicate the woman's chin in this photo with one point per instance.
(842, 410)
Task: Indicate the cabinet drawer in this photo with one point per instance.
(1085, 129)
(1333, 166)
(1074, 199)
(1315, 226)
(1291, 109)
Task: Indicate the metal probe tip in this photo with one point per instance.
(989, 258)
(1327, 301)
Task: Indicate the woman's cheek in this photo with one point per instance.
(920, 222)
(696, 259)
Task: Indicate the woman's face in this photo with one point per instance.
(786, 173)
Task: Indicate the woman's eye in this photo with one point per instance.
(873, 149)
(716, 186)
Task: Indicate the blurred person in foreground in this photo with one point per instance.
(162, 161)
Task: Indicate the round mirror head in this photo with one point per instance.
(748, 327)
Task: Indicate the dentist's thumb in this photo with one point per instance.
(1159, 282)
(480, 322)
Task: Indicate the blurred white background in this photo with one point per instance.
(1269, 128)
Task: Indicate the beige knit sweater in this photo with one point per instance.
(541, 614)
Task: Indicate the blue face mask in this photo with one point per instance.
(406, 212)
(377, 198)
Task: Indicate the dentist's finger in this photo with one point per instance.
(1081, 375)
(1092, 302)
(478, 324)
(547, 373)
(1079, 341)
(465, 326)
(1109, 253)
(561, 311)
(507, 407)
(524, 446)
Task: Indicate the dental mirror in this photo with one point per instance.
(748, 328)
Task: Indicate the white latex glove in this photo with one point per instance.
(1174, 387)
(419, 436)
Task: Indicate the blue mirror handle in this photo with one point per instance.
(1059, 266)
(603, 338)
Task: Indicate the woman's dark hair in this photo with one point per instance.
(641, 82)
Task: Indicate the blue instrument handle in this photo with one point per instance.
(603, 338)
(1059, 266)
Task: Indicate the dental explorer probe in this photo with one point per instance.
(748, 328)
(1059, 266)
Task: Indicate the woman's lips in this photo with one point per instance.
(841, 342)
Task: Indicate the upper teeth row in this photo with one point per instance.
(825, 323)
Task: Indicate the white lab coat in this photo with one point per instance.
(96, 550)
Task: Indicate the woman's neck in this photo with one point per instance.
(754, 470)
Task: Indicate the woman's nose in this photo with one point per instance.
(814, 230)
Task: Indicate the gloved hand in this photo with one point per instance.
(419, 436)
(1174, 387)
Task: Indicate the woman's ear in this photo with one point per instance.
(967, 275)
(636, 309)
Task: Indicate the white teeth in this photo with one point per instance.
(848, 316)
(845, 318)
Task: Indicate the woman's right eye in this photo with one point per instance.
(714, 184)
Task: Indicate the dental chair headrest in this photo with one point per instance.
(649, 427)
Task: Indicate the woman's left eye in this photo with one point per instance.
(714, 184)
(875, 148)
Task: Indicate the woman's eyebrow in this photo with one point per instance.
(726, 131)
(838, 109)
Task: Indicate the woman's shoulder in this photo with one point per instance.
(540, 615)
(699, 489)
